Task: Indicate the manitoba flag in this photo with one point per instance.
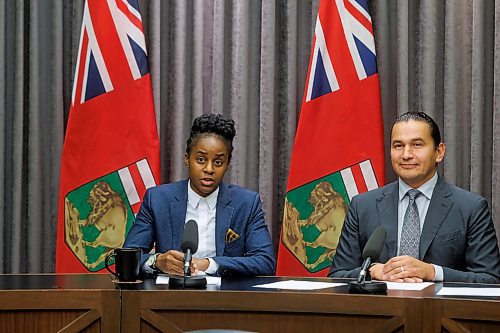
(111, 148)
(338, 150)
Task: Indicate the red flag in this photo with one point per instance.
(339, 149)
(111, 149)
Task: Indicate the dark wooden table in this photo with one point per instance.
(59, 303)
(239, 305)
(93, 303)
(460, 314)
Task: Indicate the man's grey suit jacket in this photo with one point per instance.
(458, 233)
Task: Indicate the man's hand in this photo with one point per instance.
(172, 262)
(376, 272)
(407, 269)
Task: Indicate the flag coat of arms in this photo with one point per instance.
(111, 148)
(339, 149)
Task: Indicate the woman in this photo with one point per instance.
(233, 235)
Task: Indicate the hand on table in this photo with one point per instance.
(172, 262)
(406, 269)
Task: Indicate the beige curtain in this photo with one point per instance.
(247, 59)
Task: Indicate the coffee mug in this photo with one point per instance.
(127, 263)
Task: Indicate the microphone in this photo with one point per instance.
(372, 251)
(189, 244)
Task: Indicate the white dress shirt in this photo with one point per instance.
(202, 210)
(422, 202)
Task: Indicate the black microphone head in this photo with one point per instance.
(190, 237)
(375, 244)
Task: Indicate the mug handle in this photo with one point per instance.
(108, 257)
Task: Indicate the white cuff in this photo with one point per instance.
(146, 268)
(212, 267)
(439, 275)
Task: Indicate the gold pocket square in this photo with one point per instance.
(231, 236)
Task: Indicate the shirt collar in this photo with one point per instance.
(194, 198)
(427, 188)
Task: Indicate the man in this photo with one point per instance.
(233, 235)
(435, 231)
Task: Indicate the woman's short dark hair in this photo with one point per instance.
(421, 116)
(212, 124)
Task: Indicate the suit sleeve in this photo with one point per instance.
(482, 258)
(348, 259)
(141, 235)
(257, 257)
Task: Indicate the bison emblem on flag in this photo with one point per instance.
(314, 214)
(99, 214)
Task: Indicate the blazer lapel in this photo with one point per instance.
(439, 207)
(387, 208)
(178, 208)
(223, 218)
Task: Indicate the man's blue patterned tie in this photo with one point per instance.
(410, 233)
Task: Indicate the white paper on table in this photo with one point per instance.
(299, 285)
(465, 291)
(211, 280)
(408, 286)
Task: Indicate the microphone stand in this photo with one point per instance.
(187, 268)
(365, 285)
(187, 280)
